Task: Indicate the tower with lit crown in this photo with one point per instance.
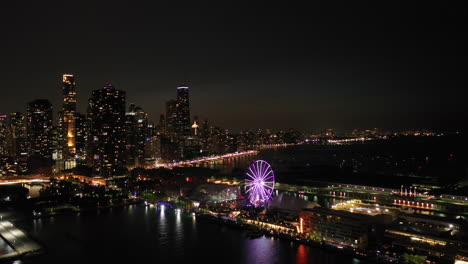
(67, 122)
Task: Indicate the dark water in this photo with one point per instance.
(139, 234)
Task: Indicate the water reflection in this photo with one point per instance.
(260, 250)
(37, 224)
(194, 222)
(226, 166)
(302, 256)
(178, 234)
(162, 225)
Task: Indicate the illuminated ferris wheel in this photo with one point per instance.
(260, 182)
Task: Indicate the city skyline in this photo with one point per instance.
(234, 132)
(109, 139)
(265, 66)
(189, 118)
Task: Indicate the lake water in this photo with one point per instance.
(139, 234)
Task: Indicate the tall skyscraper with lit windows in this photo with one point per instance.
(6, 141)
(17, 123)
(39, 127)
(67, 126)
(136, 125)
(81, 126)
(171, 116)
(107, 135)
(183, 125)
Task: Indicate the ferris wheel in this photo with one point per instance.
(260, 182)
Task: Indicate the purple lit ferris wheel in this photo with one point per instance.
(260, 182)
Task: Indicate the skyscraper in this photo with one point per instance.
(136, 121)
(161, 127)
(183, 111)
(171, 116)
(81, 127)
(153, 144)
(67, 127)
(171, 148)
(6, 140)
(106, 139)
(39, 126)
(17, 123)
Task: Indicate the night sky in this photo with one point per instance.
(250, 64)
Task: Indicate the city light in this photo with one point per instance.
(247, 133)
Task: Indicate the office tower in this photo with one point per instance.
(205, 136)
(153, 145)
(161, 127)
(136, 123)
(6, 140)
(106, 140)
(171, 116)
(171, 143)
(183, 125)
(66, 127)
(55, 145)
(39, 127)
(17, 123)
(81, 127)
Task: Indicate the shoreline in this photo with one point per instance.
(318, 245)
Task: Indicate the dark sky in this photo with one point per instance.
(249, 64)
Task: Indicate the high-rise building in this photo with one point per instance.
(81, 127)
(183, 111)
(153, 145)
(136, 123)
(161, 127)
(171, 116)
(67, 126)
(106, 139)
(6, 140)
(17, 125)
(39, 126)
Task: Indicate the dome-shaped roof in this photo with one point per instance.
(286, 202)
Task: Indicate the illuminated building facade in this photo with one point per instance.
(6, 144)
(175, 140)
(106, 139)
(171, 116)
(67, 126)
(136, 122)
(171, 149)
(195, 127)
(4, 131)
(17, 123)
(340, 227)
(39, 128)
(81, 128)
(182, 125)
(153, 145)
(427, 235)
